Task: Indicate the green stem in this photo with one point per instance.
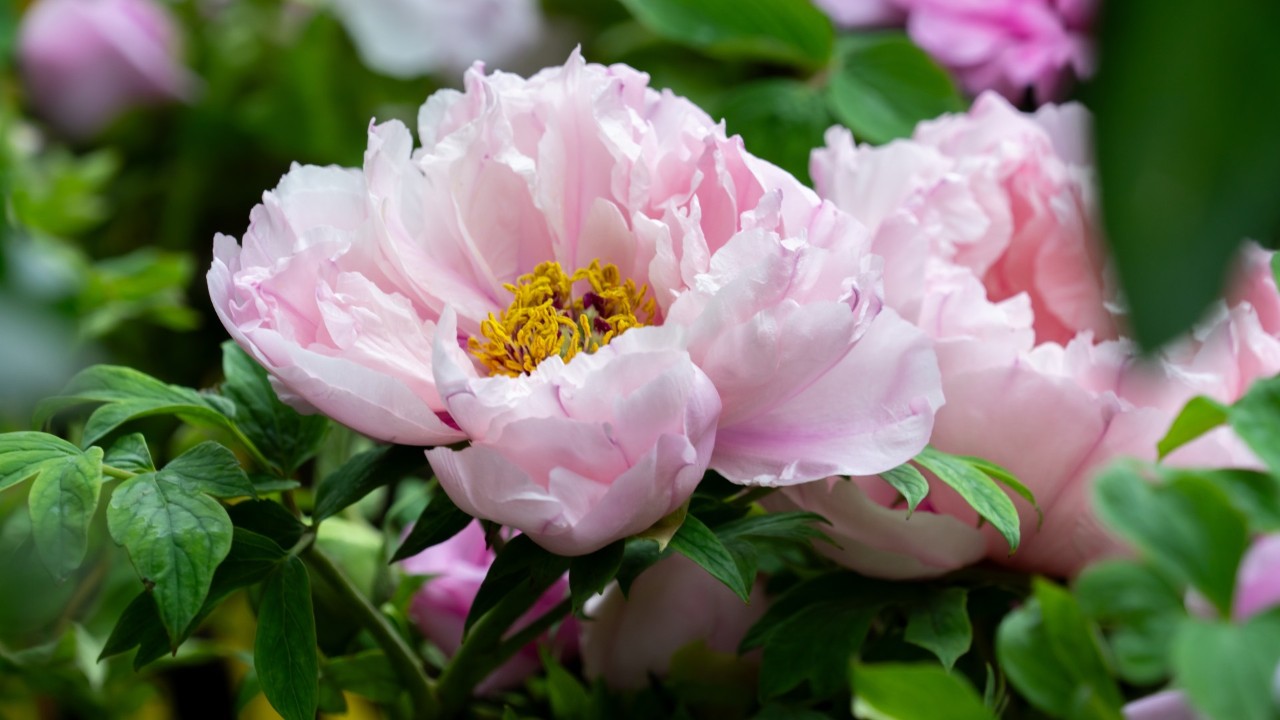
(481, 650)
(402, 658)
(117, 473)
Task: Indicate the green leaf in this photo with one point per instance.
(1256, 419)
(175, 537)
(884, 84)
(779, 120)
(1140, 608)
(1200, 415)
(901, 691)
(590, 574)
(815, 646)
(128, 395)
(363, 474)
(1050, 653)
(61, 503)
(909, 482)
(24, 454)
(1227, 669)
(368, 674)
(978, 489)
(209, 468)
(1256, 494)
(1006, 478)
(268, 519)
(286, 437)
(940, 624)
(787, 526)
(1187, 525)
(522, 563)
(638, 555)
(1188, 156)
(439, 521)
(695, 541)
(130, 453)
(284, 650)
(667, 526)
(569, 699)
(793, 32)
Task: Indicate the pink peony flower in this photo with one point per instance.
(410, 38)
(671, 605)
(594, 286)
(86, 61)
(457, 568)
(1009, 46)
(987, 225)
(862, 13)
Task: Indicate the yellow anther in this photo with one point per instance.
(544, 319)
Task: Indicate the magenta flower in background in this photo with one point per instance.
(987, 225)
(86, 61)
(589, 282)
(457, 567)
(1009, 46)
(411, 38)
(671, 605)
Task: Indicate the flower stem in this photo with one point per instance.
(116, 473)
(402, 658)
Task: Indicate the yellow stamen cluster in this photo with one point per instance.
(544, 318)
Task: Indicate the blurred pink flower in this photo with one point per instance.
(671, 605)
(1009, 46)
(410, 38)
(86, 61)
(986, 222)
(457, 567)
(862, 13)
(591, 283)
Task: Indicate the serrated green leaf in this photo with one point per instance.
(286, 437)
(940, 624)
(786, 31)
(884, 85)
(1188, 526)
(1200, 415)
(695, 541)
(978, 489)
(1228, 670)
(589, 574)
(901, 691)
(62, 502)
(439, 521)
(130, 453)
(909, 482)
(176, 538)
(284, 650)
(363, 474)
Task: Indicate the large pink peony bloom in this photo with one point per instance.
(1009, 46)
(986, 223)
(671, 605)
(86, 61)
(457, 568)
(588, 281)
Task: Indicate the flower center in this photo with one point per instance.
(544, 318)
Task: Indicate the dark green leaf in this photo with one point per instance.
(368, 674)
(1256, 419)
(569, 699)
(815, 646)
(1140, 609)
(785, 31)
(980, 491)
(269, 519)
(439, 521)
(638, 555)
(898, 691)
(175, 538)
(1187, 152)
(1199, 416)
(522, 563)
(909, 482)
(589, 574)
(884, 84)
(209, 468)
(287, 438)
(1228, 670)
(62, 502)
(940, 624)
(130, 453)
(1188, 526)
(284, 651)
(695, 541)
(789, 526)
(779, 120)
(1256, 494)
(363, 474)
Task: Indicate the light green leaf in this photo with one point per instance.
(62, 502)
(940, 624)
(900, 691)
(1140, 609)
(980, 491)
(1256, 419)
(284, 651)
(1227, 669)
(130, 453)
(908, 481)
(793, 32)
(209, 468)
(23, 455)
(884, 84)
(1199, 416)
